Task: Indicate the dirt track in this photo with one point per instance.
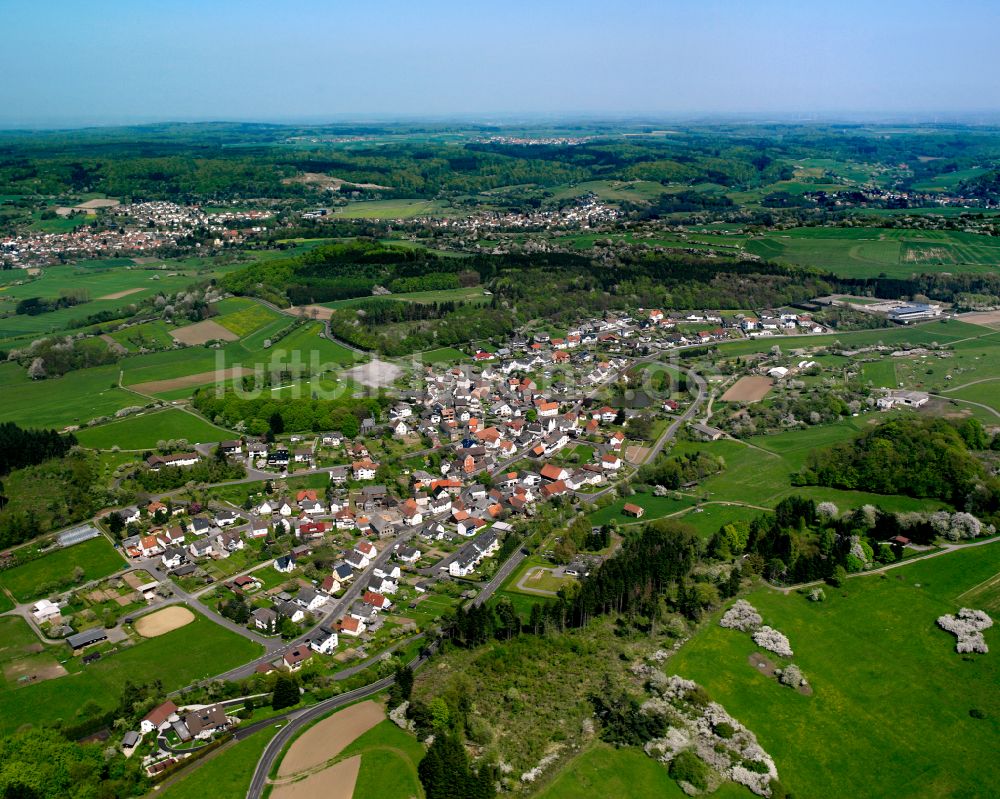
(119, 294)
(326, 739)
(163, 621)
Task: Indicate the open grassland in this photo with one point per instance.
(758, 472)
(57, 402)
(148, 335)
(110, 286)
(880, 373)
(707, 519)
(389, 759)
(143, 431)
(947, 331)
(868, 252)
(469, 294)
(224, 774)
(889, 713)
(96, 557)
(243, 317)
(442, 355)
(177, 658)
(395, 209)
(655, 507)
(312, 346)
(626, 773)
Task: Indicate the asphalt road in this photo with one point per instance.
(297, 721)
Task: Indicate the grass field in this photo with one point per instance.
(243, 317)
(889, 716)
(60, 401)
(198, 650)
(394, 209)
(145, 430)
(707, 519)
(442, 355)
(389, 759)
(655, 507)
(151, 335)
(223, 775)
(880, 373)
(101, 280)
(758, 472)
(623, 774)
(96, 557)
(868, 252)
(311, 345)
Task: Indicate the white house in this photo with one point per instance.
(43, 610)
(325, 641)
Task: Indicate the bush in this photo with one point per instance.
(688, 767)
(724, 730)
(976, 713)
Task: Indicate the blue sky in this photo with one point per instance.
(143, 60)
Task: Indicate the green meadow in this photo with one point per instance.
(74, 398)
(867, 252)
(143, 431)
(96, 557)
(178, 658)
(889, 715)
(226, 774)
(758, 471)
(625, 773)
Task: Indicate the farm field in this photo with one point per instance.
(33, 579)
(311, 345)
(985, 392)
(144, 430)
(177, 658)
(243, 317)
(389, 759)
(748, 389)
(880, 373)
(891, 696)
(223, 775)
(57, 402)
(867, 252)
(394, 209)
(110, 285)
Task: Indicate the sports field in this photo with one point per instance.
(890, 711)
(145, 430)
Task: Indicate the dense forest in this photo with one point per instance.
(917, 457)
(230, 160)
(20, 448)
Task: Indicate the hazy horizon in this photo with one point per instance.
(307, 62)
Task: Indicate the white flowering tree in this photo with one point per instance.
(967, 626)
(773, 641)
(741, 616)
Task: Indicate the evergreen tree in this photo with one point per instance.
(286, 692)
